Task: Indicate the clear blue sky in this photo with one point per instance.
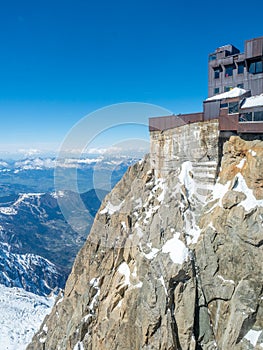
(62, 59)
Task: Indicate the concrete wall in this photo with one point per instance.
(197, 142)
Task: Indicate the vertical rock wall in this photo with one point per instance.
(172, 262)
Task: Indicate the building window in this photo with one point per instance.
(258, 116)
(256, 67)
(223, 105)
(216, 91)
(212, 57)
(232, 107)
(251, 117)
(259, 67)
(245, 117)
(227, 88)
(240, 86)
(240, 68)
(217, 73)
(229, 71)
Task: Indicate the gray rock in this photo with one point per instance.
(164, 268)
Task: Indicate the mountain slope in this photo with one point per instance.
(33, 223)
(167, 268)
(21, 314)
(30, 272)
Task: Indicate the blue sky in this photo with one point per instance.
(61, 60)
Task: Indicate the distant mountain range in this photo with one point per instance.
(37, 245)
(37, 174)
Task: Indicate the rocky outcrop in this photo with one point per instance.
(165, 268)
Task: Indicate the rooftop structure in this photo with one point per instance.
(235, 92)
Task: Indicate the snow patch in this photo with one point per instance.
(58, 194)
(152, 252)
(149, 213)
(123, 225)
(224, 280)
(60, 300)
(111, 209)
(186, 178)
(253, 153)
(139, 203)
(139, 230)
(161, 279)
(79, 346)
(219, 191)
(21, 316)
(138, 285)
(252, 336)
(95, 284)
(250, 202)
(193, 234)
(8, 211)
(241, 163)
(176, 248)
(124, 270)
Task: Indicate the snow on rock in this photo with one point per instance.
(219, 191)
(193, 234)
(124, 270)
(161, 279)
(58, 194)
(79, 346)
(250, 202)
(186, 178)
(139, 230)
(21, 316)
(8, 211)
(138, 203)
(252, 336)
(153, 252)
(224, 280)
(253, 153)
(241, 163)
(12, 210)
(149, 213)
(95, 284)
(111, 209)
(176, 248)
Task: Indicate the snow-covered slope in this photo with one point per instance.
(21, 315)
(31, 272)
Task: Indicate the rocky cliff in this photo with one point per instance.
(165, 268)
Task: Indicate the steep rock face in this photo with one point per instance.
(165, 268)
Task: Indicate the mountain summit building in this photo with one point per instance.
(235, 92)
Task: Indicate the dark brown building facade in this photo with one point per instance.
(235, 92)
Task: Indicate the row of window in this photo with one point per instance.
(243, 117)
(251, 117)
(229, 70)
(232, 107)
(227, 88)
(254, 67)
